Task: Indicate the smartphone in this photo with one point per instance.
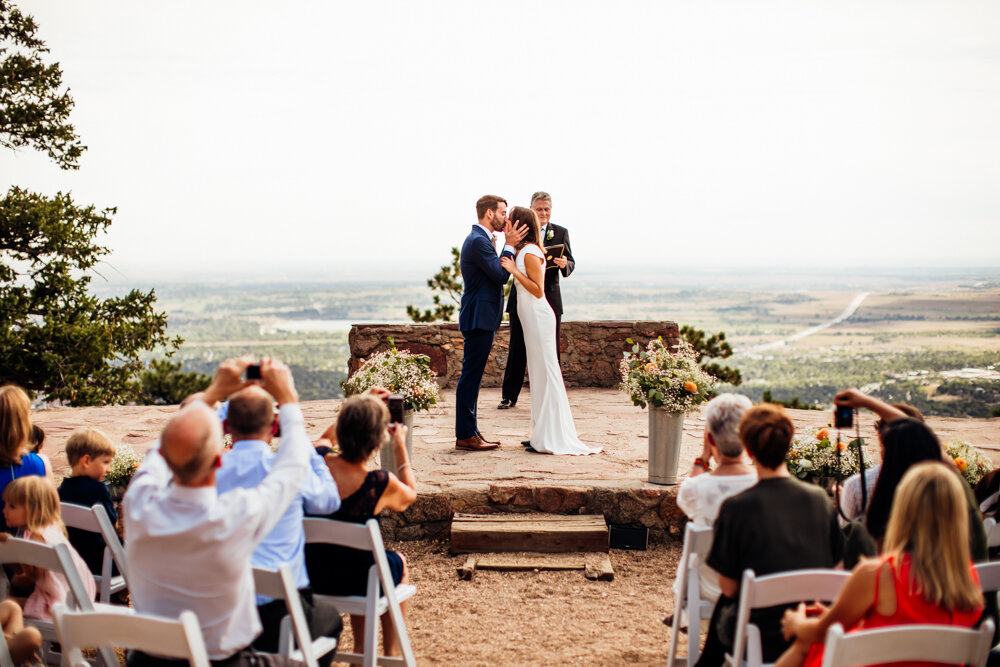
(396, 408)
(843, 416)
(253, 372)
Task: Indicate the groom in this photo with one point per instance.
(481, 311)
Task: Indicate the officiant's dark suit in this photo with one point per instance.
(478, 319)
(517, 359)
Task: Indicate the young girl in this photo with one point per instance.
(925, 574)
(35, 443)
(32, 505)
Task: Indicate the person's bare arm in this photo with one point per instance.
(534, 280)
(855, 599)
(729, 587)
(401, 492)
(855, 399)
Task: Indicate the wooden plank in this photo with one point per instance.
(529, 532)
(600, 570)
(468, 569)
(522, 562)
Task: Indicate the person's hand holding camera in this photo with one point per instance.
(381, 393)
(228, 379)
(276, 378)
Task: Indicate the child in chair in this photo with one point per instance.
(31, 505)
(89, 453)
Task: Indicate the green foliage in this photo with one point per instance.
(793, 403)
(163, 383)
(447, 281)
(713, 347)
(400, 372)
(33, 110)
(55, 336)
(663, 378)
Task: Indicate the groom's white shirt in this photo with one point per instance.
(490, 233)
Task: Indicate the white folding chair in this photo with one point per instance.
(904, 643)
(689, 607)
(96, 520)
(773, 590)
(118, 626)
(280, 585)
(992, 532)
(55, 558)
(383, 595)
(5, 659)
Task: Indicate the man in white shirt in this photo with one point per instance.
(251, 421)
(189, 548)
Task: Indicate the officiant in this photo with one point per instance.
(556, 238)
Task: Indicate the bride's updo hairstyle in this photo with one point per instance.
(361, 427)
(520, 215)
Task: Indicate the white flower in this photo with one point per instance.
(549, 234)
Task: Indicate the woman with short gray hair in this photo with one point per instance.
(701, 495)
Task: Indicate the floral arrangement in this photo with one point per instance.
(969, 460)
(816, 456)
(400, 372)
(664, 377)
(123, 466)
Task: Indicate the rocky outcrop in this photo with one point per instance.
(590, 351)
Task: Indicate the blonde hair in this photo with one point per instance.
(15, 424)
(39, 499)
(930, 522)
(87, 442)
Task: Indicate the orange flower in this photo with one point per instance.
(822, 433)
(651, 367)
(690, 387)
(841, 446)
(961, 464)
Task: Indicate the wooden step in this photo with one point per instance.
(546, 533)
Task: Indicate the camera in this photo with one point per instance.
(396, 408)
(253, 372)
(843, 416)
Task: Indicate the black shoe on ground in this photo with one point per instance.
(506, 404)
(526, 443)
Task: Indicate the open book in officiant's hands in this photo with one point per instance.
(551, 252)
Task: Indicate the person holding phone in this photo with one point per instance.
(362, 426)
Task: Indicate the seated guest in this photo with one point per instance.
(850, 495)
(924, 575)
(15, 434)
(701, 494)
(35, 443)
(252, 423)
(190, 548)
(89, 453)
(362, 426)
(778, 524)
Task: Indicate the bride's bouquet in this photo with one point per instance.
(400, 372)
(665, 377)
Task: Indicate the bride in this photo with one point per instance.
(552, 428)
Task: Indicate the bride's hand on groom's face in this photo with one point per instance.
(513, 235)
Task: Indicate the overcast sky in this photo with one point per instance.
(358, 135)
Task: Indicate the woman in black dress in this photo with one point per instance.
(362, 426)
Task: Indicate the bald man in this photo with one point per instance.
(189, 548)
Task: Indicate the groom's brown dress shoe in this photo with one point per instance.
(473, 444)
(488, 442)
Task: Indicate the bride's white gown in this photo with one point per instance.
(552, 428)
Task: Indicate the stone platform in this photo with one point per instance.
(612, 483)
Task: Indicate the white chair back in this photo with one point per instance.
(5, 659)
(117, 626)
(57, 559)
(280, 585)
(773, 590)
(383, 595)
(96, 520)
(689, 607)
(992, 532)
(906, 643)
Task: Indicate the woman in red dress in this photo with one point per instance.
(924, 574)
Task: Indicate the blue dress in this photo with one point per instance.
(31, 464)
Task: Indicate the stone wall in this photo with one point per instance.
(430, 516)
(590, 351)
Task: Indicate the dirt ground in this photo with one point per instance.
(538, 618)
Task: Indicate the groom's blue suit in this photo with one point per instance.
(478, 320)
